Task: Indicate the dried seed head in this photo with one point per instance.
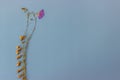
(22, 37)
(17, 47)
(19, 56)
(17, 52)
(19, 70)
(18, 63)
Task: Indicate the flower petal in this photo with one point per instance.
(41, 14)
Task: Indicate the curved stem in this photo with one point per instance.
(27, 25)
(25, 46)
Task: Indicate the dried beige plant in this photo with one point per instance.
(21, 50)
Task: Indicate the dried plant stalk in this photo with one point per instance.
(22, 50)
(25, 39)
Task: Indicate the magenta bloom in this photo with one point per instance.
(41, 14)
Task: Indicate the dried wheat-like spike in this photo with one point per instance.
(22, 48)
(19, 56)
(18, 63)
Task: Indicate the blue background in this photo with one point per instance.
(76, 40)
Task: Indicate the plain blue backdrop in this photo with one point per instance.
(76, 40)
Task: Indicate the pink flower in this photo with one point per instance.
(41, 14)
